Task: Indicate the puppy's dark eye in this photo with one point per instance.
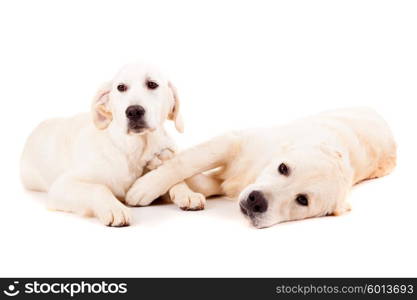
(122, 87)
(283, 169)
(151, 84)
(302, 199)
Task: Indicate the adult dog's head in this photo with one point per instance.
(138, 100)
(298, 183)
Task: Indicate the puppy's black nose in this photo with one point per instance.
(135, 112)
(256, 202)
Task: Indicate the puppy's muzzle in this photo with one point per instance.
(255, 203)
(135, 115)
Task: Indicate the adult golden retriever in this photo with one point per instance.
(292, 172)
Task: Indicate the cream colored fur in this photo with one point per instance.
(327, 154)
(88, 162)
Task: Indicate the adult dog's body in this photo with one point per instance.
(290, 172)
(88, 162)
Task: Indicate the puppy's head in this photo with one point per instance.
(138, 100)
(298, 184)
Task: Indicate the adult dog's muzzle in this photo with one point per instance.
(254, 204)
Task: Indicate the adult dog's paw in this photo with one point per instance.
(140, 195)
(113, 214)
(187, 199)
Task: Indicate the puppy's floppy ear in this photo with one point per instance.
(101, 113)
(174, 114)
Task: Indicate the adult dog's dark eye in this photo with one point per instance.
(151, 84)
(283, 169)
(302, 199)
(122, 87)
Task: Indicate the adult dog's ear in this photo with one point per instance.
(100, 110)
(342, 179)
(174, 114)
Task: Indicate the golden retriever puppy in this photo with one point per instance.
(88, 162)
(292, 172)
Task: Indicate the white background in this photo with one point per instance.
(236, 65)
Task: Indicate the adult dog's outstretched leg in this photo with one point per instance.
(205, 184)
(203, 157)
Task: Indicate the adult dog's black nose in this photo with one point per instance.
(256, 202)
(135, 112)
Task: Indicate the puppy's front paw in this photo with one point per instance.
(187, 199)
(159, 158)
(113, 214)
(153, 163)
(166, 154)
